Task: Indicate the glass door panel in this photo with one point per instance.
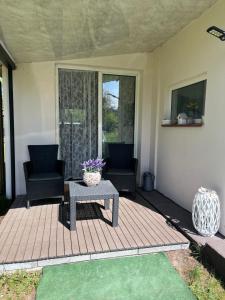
(118, 110)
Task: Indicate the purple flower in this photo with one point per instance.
(93, 165)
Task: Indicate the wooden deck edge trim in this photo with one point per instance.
(215, 259)
(37, 264)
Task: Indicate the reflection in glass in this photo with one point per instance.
(189, 99)
(118, 109)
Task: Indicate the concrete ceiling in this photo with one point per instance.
(41, 30)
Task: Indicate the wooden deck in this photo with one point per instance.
(40, 235)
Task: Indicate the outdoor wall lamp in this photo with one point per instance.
(217, 32)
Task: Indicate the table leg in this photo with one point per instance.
(106, 203)
(115, 211)
(73, 214)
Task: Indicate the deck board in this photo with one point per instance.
(153, 224)
(113, 231)
(33, 232)
(81, 237)
(100, 232)
(60, 251)
(92, 228)
(53, 232)
(146, 225)
(42, 232)
(46, 233)
(9, 235)
(131, 227)
(169, 235)
(105, 230)
(140, 229)
(21, 239)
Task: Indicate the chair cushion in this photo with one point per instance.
(120, 155)
(43, 158)
(45, 176)
(120, 172)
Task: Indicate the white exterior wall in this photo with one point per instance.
(35, 105)
(188, 158)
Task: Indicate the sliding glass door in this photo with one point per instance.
(118, 110)
(95, 109)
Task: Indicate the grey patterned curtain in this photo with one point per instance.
(78, 118)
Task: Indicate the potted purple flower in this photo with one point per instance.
(92, 171)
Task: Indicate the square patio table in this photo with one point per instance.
(78, 191)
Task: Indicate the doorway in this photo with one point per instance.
(94, 108)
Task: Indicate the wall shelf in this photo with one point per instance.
(185, 125)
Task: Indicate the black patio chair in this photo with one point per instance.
(121, 167)
(44, 174)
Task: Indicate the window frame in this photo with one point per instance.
(101, 71)
(184, 83)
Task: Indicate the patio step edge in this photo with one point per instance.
(213, 248)
(38, 264)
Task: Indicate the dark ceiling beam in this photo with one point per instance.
(5, 58)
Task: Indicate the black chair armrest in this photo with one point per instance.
(107, 164)
(27, 166)
(135, 164)
(61, 167)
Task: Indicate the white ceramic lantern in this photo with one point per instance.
(206, 212)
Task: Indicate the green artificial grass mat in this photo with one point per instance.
(132, 278)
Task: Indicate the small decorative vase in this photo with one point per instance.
(92, 178)
(206, 212)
